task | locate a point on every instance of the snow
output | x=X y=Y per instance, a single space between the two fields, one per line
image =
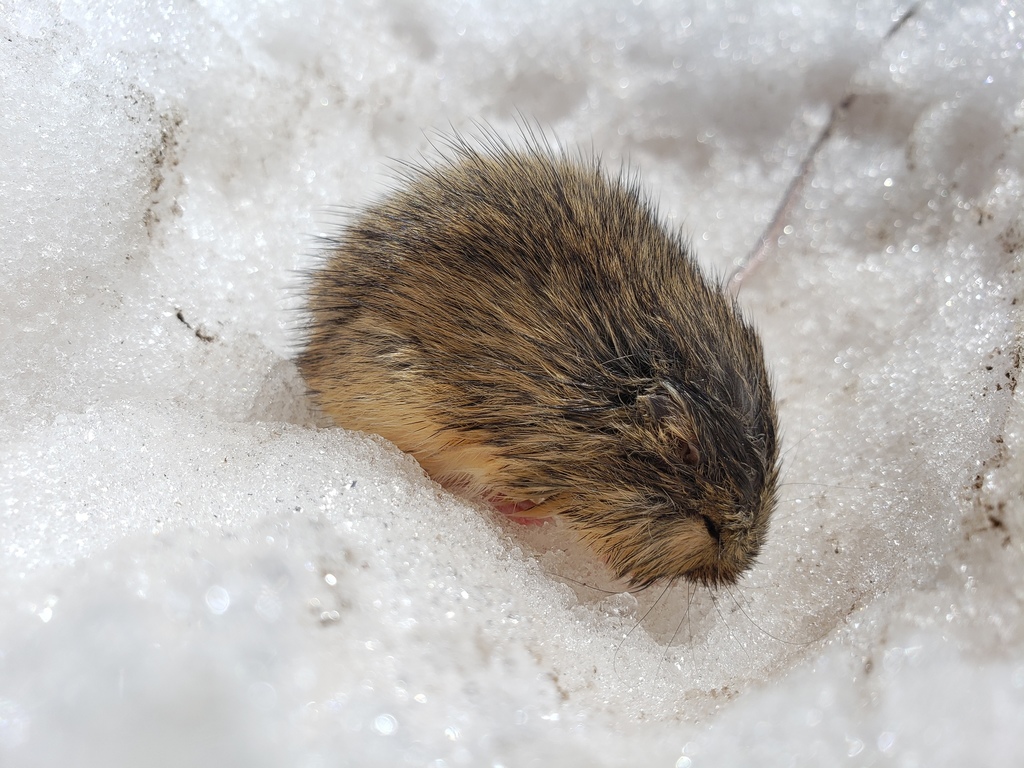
x=196 y=569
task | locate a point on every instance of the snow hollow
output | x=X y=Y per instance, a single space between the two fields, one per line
x=196 y=570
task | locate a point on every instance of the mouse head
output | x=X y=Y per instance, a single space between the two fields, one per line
x=687 y=477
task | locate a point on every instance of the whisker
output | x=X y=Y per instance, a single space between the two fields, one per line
x=721 y=615
x=798 y=643
x=577 y=582
x=636 y=624
x=672 y=639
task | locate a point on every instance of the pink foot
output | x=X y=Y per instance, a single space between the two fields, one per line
x=511 y=510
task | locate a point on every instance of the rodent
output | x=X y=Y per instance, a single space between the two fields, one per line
x=522 y=323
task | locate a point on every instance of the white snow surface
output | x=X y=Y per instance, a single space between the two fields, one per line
x=196 y=570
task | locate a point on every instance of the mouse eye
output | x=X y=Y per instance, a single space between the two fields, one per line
x=713 y=531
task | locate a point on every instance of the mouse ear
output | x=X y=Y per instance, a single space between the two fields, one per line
x=666 y=411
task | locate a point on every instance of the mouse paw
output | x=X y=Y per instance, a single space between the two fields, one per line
x=514 y=510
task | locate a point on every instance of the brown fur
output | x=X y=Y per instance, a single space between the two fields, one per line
x=526 y=328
